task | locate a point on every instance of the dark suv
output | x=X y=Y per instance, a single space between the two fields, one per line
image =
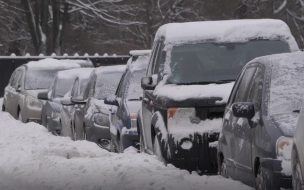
x=260 y=120
x=188 y=82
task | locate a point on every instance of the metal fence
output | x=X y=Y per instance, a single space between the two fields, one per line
x=9 y=63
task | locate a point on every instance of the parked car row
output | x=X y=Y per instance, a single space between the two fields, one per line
x=214 y=97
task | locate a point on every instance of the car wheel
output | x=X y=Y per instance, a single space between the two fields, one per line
x=157 y=149
x=297 y=179
x=223 y=170
x=260 y=181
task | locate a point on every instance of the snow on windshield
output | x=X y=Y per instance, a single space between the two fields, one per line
x=39 y=79
x=227 y=31
x=286 y=89
x=106 y=84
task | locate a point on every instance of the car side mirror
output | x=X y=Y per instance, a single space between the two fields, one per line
x=66 y=102
x=43 y=96
x=78 y=100
x=111 y=101
x=18 y=88
x=243 y=109
x=147 y=83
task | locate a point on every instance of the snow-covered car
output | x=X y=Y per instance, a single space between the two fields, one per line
x=260 y=120
x=191 y=72
x=57 y=94
x=127 y=102
x=20 y=96
x=91 y=117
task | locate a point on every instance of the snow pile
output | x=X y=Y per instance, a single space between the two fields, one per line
x=286 y=88
x=31 y=158
x=82 y=73
x=140 y=52
x=52 y=64
x=227 y=31
x=110 y=69
x=184 y=92
x=141 y=63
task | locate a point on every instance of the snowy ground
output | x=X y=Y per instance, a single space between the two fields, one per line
x=31 y=158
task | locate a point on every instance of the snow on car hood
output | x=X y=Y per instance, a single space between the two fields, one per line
x=184 y=92
x=52 y=64
x=227 y=31
x=286 y=122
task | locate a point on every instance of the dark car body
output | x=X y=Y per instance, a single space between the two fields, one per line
x=91 y=117
x=127 y=102
x=188 y=82
x=20 y=97
x=58 y=92
x=260 y=121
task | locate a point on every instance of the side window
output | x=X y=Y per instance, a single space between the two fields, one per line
x=152 y=59
x=12 y=77
x=256 y=91
x=89 y=91
x=120 y=84
x=75 y=88
x=160 y=55
x=123 y=85
x=242 y=90
x=16 y=78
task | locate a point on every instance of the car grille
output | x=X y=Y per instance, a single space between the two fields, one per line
x=210 y=112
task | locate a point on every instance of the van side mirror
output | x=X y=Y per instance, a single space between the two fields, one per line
x=111 y=101
x=243 y=109
x=43 y=96
x=147 y=83
x=78 y=100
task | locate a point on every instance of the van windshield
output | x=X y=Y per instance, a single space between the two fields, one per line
x=205 y=63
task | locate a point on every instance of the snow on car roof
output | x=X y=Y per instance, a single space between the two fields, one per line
x=140 y=52
x=82 y=73
x=227 y=31
x=286 y=88
x=110 y=69
x=52 y=64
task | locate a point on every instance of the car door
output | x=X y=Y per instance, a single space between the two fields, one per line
x=243 y=133
x=8 y=91
x=148 y=98
x=14 y=94
x=231 y=124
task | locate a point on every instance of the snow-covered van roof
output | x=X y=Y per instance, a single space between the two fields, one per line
x=286 y=88
x=81 y=73
x=110 y=69
x=226 y=31
x=140 y=52
x=48 y=64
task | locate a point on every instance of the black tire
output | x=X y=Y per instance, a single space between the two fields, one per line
x=297 y=179
x=223 y=169
x=3 y=107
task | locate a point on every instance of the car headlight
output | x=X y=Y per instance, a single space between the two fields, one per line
x=284 y=147
x=99 y=119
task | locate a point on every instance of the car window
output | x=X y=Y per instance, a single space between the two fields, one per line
x=152 y=59
x=75 y=87
x=89 y=90
x=159 y=55
x=16 y=78
x=242 y=90
x=12 y=77
x=119 y=88
x=256 y=91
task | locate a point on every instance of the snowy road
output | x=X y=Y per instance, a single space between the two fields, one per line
x=31 y=158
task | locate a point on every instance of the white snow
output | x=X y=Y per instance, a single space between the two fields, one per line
x=184 y=92
x=110 y=69
x=140 y=64
x=140 y=52
x=227 y=31
x=31 y=158
x=52 y=64
x=82 y=73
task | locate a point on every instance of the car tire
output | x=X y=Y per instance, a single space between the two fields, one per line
x=223 y=170
x=157 y=149
x=297 y=179
x=260 y=181
x=3 y=107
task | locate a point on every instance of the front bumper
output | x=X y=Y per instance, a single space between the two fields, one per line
x=197 y=155
x=273 y=169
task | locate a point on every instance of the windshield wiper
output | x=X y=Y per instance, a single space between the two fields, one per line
x=134 y=99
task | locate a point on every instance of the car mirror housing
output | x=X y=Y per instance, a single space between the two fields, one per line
x=147 y=83
x=78 y=100
x=243 y=109
x=66 y=102
x=111 y=101
x=43 y=96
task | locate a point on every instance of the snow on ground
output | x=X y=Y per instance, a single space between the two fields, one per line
x=31 y=158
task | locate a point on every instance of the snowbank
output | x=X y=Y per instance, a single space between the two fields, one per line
x=31 y=158
x=140 y=52
x=227 y=31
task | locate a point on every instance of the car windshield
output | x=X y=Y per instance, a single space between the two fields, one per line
x=83 y=85
x=106 y=84
x=39 y=79
x=63 y=86
x=217 y=63
x=134 y=90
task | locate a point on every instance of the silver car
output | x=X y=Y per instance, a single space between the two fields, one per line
x=20 y=95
